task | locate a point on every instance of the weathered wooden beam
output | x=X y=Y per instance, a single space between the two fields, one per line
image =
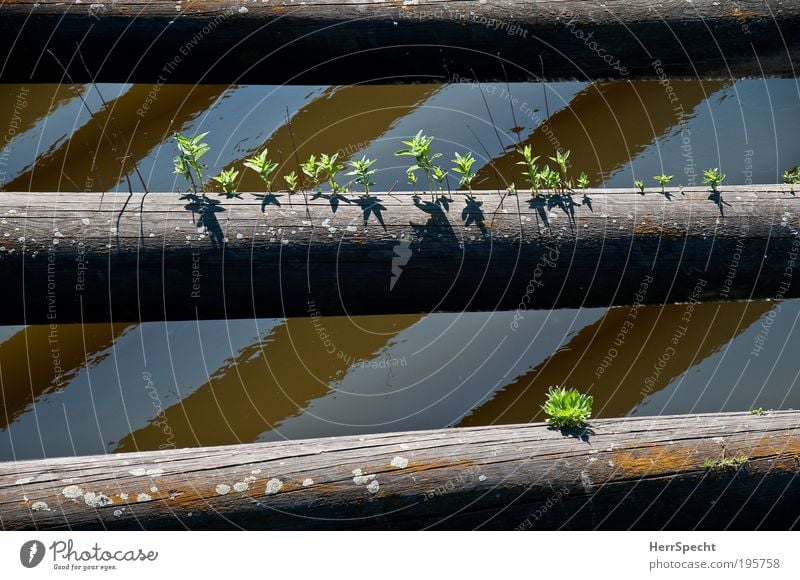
x=85 y=257
x=344 y=41
x=631 y=473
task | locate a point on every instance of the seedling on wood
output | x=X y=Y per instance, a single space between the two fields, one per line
x=567 y=408
x=362 y=171
x=263 y=166
x=639 y=185
x=420 y=149
x=583 y=181
x=563 y=167
x=713 y=177
x=463 y=166
x=190 y=150
x=440 y=177
x=227 y=180
x=531 y=172
x=330 y=166
x=759 y=411
x=311 y=168
x=549 y=178
x=792 y=177
x=663 y=180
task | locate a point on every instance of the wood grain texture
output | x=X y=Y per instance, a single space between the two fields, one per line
x=84 y=257
x=631 y=473
x=336 y=42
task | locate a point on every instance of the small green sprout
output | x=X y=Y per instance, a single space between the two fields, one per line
x=227 y=180
x=639 y=184
x=567 y=408
x=663 y=180
x=412 y=179
x=312 y=169
x=439 y=175
x=724 y=463
x=562 y=165
x=531 y=171
x=463 y=166
x=759 y=411
x=549 y=178
x=291 y=182
x=420 y=149
x=330 y=166
x=583 y=181
x=512 y=188
x=190 y=150
x=792 y=177
x=713 y=177
x=362 y=171
x=263 y=166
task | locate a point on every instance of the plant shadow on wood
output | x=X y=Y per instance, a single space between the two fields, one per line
x=472 y=214
x=371 y=205
x=583 y=432
x=268 y=199
x=333 y=199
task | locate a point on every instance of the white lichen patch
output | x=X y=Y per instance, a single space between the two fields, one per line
x=399 y=462
x=241 y=486
x=363 y=479
x=123 y=496
x=117 y=513
x=154 y=489
x=273 y=486
x=373 y=486
x=96 y=500
x=256 y=471
x=308 y=482
x=40 y=506
x=72 y=492
x=356 y=472
x=223 y=488
x=138 y=472
x=481 y=478
x=24 y=480
x=143 y=497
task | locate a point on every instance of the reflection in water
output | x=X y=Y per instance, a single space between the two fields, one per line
x=617 y=131
x=158 y=385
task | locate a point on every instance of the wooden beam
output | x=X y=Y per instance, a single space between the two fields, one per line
x=345 y=41
x=631 y=473
x=67 y=257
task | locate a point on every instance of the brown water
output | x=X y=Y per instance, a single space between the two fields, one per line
x=617 y=131
x=103 y=388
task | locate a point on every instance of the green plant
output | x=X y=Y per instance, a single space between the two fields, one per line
x=312 y=169
x=227 y=180
x=792 y=177
x=713 y=177
x=531 y=171
x=567 y=408
x=759 y=411
x=190 y=150
x=725 y=462
x=512 y=188
x=639 y=184
x=362 y=171
x=663 y=180
x=420 y=149
x=562 y=166
x=549 y=178
x=463 y=166
x=583 y=181
x=263 y=166
x=291 y=182
x=412 y=179
x=440 y=177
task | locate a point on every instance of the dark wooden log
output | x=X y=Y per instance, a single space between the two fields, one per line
x=344 y=41
x=631 y=473
x=86 y=257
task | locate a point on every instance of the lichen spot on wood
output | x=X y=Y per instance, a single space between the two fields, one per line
x=273 y=486
x=373 y=486
x=23 y=480
x=307 y=482
x=138 y=472
x=40 y=506
x=72 y=492
x=241 y=486
x=223 y=488
x=96 y=500
x=399 y=462
x=143 y=497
